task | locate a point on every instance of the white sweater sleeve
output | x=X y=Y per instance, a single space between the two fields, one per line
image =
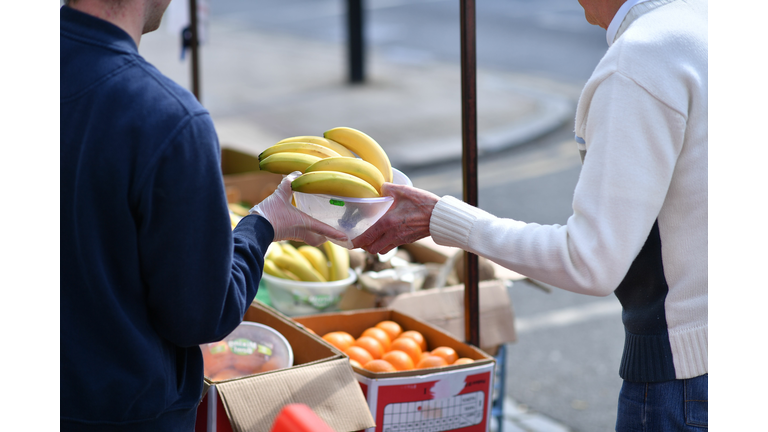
x=632 y=141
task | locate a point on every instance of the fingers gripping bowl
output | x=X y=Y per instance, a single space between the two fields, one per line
x=342 y=173
x=350 y=215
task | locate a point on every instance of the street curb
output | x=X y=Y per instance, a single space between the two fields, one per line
x=518 y=418
x=552 y=112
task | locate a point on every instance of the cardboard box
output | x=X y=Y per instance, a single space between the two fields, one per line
x=321 y=378
x=445 y=399
x=427 y=251
x=444 y=307
x=243 y=180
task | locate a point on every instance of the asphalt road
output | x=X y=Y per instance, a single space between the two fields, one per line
x=545 y=37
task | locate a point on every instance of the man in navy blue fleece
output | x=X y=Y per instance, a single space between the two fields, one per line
x=150 y=266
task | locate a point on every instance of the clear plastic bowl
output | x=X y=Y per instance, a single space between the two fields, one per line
x=250 y=349
x=353 y=216
x=295 y=298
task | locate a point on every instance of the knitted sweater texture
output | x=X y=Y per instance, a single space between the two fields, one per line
x=639 y=223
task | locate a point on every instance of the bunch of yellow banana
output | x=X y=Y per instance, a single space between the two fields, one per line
x=344 y=162
x=234 y=219
x=307 y=263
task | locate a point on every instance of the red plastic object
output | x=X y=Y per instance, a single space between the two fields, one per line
x=299 y=418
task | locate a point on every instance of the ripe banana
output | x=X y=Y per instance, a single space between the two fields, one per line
x=298 y=147
x=325 y=142
x=287 y=162
x=238 y=209
x=356 y=167
x=294 y=254
x=339 y=259
x=274 y=250
x=334 y=183
x=364 y=146
x=317 y=258
x=234 y=219
x=303 y=270
x=271 y=268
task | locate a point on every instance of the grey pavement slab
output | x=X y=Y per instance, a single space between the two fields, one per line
x=519 y=418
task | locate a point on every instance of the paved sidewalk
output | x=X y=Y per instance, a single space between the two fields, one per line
x=519 y=418
x=261 y=87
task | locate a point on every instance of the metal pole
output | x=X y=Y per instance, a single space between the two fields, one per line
x=195 y=59
x=355 y=41
x=469 y=162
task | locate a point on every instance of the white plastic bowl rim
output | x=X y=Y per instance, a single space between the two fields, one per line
x=287 y=283
x=276 y=334
x=351 y=199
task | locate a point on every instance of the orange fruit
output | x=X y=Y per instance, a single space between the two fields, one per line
x=275 y=362
x=417 y=336
x=399 y=359
x=380 y=365
x=463 y=360
x=448 y=353
x=408 y=346
x=358 y=354
x=392 y=328
x=339 y=339
x=380 y=335
x=248 y=363
x=216 y=357
x=431 y=361
x=371 y=345
x=226 y=374
x=355 y=363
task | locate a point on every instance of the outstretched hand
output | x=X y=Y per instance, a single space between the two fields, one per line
x=405 y=222
x=291 y=223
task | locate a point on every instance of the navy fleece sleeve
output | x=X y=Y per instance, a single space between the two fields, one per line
x=200 y=278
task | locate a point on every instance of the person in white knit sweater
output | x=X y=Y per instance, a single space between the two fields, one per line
x=639 y=223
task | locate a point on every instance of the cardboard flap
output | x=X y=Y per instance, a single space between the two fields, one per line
x=426 y=250
x=444 y=308
x=237 y=162
x=329 y=388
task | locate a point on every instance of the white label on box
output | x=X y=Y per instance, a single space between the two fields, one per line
x=442 y=401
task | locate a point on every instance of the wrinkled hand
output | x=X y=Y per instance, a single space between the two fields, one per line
x=291 y=223
x=405 y=222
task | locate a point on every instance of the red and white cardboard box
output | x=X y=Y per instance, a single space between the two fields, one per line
x=451 y=398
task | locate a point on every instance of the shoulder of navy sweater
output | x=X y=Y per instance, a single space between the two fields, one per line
x=112 y=57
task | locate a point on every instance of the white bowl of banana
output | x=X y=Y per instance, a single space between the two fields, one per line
x=306 y=280
x=342 y=174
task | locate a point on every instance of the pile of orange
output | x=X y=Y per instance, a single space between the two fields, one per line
x=387 y=348
x=219 y=363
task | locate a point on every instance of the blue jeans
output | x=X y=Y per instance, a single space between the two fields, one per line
x=679 y=405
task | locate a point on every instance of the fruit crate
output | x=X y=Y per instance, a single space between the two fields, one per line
x=454 y=397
